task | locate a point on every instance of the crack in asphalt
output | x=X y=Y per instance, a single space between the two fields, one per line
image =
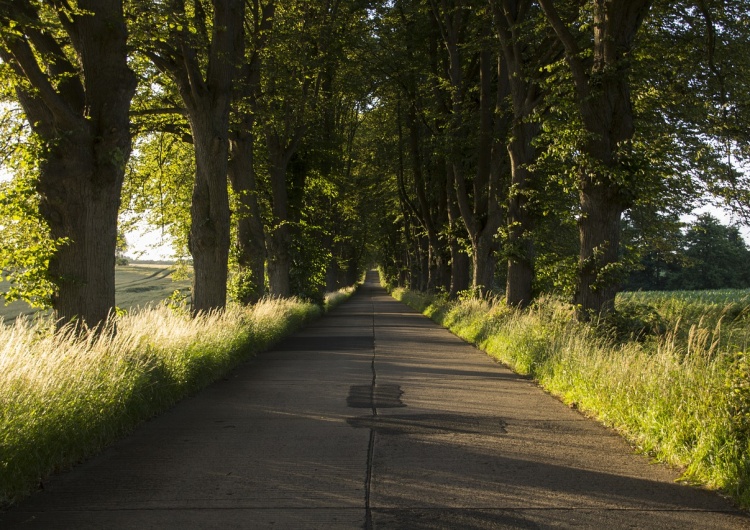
x=371 y=444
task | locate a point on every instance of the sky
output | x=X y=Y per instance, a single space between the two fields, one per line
x=148 y=243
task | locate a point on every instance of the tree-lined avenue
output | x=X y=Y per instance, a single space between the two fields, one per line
x=373 y=417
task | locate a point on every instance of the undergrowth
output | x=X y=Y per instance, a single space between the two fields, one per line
x=670 y=372
x=64 y=397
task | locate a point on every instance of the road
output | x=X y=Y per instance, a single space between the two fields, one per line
x=373 y=417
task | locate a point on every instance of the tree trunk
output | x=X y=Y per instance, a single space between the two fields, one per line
x=424 y=263
x=279 y=239
x=459 y=270
x=250 y=244
x=483 y=263
x=518 y=291
x=80 y=201
x=209 y=210
x=205 y=85
x=459 y=280
x=510 y=17
x=80 y=110
x=599 y=232
x=603 y=96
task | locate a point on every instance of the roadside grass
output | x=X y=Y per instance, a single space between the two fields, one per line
x=336 y=298
x=670 y=371
x=65 y=397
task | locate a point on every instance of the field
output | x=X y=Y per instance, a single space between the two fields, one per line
x=138 y=285
x=670 y=371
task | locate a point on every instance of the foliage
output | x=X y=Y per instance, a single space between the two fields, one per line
x=716 y=257
x=708 y=255
x=26 y=245
x=158 y=187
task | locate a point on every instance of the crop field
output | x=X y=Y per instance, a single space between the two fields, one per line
x=138 y=285
x=691 y=303
x=724 y=315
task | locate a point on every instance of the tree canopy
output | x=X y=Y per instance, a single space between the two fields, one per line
x=505 y=146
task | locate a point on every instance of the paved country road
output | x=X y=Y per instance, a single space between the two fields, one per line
x=373 y=417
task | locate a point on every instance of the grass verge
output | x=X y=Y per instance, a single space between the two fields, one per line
x=680 y=393
x=63 y=398
x=336 y=298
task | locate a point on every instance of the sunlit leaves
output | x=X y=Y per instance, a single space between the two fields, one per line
x=26 y=246
x=158 y=187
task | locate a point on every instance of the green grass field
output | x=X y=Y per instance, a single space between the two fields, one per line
x=138 y=285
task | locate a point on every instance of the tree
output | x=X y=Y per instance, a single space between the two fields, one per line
x=199 y=53
x=600 y=74
x=77 y=107
x=249 y=282
x=478 y=124
x=527 y=53
x=716 y=257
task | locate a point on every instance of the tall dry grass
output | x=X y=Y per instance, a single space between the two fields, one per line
x=673 y=379
x=63 y=397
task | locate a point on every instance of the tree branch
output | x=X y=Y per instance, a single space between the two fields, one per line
x=572 y=52
x=23 y=55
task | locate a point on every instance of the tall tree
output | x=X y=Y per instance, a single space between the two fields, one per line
x=602 y=90
x=716 y=257
x=72 y=79
x=527 y=53
x=199 y=52
x=475 y=129
x=250 y=238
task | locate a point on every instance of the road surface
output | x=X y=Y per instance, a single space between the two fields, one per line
x=373 y=417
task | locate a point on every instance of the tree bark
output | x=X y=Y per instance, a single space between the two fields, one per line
x=250 y=243
x=83 y=120
x=279 y=238
x=520 y=279
x=459 y=258
x=520 y=244
x=599 y=230
x=209 y=212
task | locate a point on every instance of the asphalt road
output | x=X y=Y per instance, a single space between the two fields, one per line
x=373 y=417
